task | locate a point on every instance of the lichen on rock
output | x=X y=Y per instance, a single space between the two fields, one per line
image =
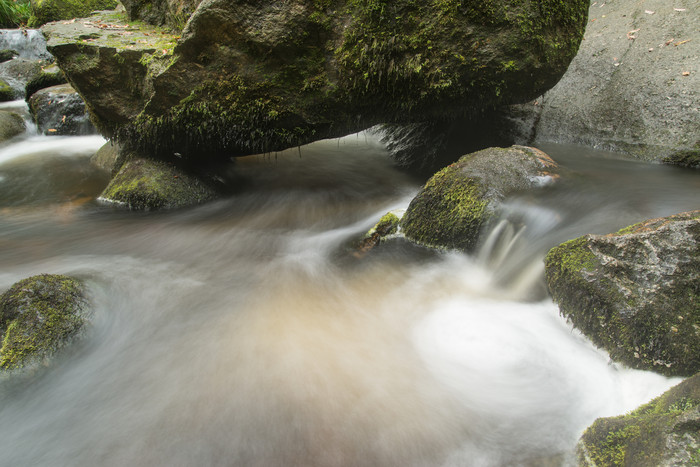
x=457 y=203
x=636 y=292
x=38 y=316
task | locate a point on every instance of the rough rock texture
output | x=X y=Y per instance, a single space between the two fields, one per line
x=44 y=11
x=59 y=110
x=634 y=86
x=50 y=75
x=172 y=13
x=247 y=77
x=146 y=184
x=11 y=125
x=38 y=316
x=662 y=433
x=457 y=202
x=635 y=293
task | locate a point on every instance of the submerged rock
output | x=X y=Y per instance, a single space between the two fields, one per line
x=11 y=125
x=635 y=293
x=147 y=184
x=254 y=77
x=387 y=225
x=44 y=11
x=59 y=110
x=664 y=432
x=457 y=202
x=38 y=316
x=633 y=87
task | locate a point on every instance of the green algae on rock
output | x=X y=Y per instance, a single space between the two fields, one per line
x=457 y=202
x=44 y=11
x=147 y=184
x=387 y=225
x=250 y=77
x=635 y=293
x=50 y=76
x=38 y=316
x=663 y=432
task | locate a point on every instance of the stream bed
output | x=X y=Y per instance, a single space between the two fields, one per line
x=244 y=331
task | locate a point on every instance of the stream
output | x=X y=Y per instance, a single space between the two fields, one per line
x=244 y=331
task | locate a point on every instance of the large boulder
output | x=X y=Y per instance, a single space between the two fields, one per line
x=634 y=86
x=59 y=110
x=44 y=11
x=664 y=432
x=146 y=184
x=635 y=293
x=11 y=125
x=38 y=316
x=249 y=77
x=457 y=203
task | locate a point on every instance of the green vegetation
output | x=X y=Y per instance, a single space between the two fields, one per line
x=6 y=92
x=14 y=13
x=44 y=11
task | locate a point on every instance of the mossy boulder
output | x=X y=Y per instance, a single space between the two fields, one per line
x=44 y=11
x=11 y=125
x=689 y=158
x=20 y=71
x=635 y=293
x=249 y=77
x=664 y=432
x=387 y=225
x=50 y=75
x=38 y=316
x=147 y=184
x=7 y=93
x=457 y=203
x=59 y=110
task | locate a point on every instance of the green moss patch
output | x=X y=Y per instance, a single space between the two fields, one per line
x=45 y=11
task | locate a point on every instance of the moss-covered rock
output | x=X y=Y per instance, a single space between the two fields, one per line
x=635 y=293
x=664 y=432
x=59 y=110
x=7 y=54
x=457 y=202
x=689 y=158
x=38 y=316
x=44 y=11
x=50 y=75
x=250 y=77
x=6 y=92
x=387 y=225
x=18 y=72
x=147 y=184
x=11 y=125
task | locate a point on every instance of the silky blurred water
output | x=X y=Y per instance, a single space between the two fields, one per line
x=244 y=332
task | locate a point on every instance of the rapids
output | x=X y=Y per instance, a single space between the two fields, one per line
x=243 y=331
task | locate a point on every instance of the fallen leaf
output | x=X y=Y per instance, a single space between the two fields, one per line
x=686 y=73
x=669 y=41
x=630 y=34
x=648 y=12
x=679 y=9
x=681 y=42
x=52 y=130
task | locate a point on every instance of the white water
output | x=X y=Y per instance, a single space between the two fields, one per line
x=243 y=332
x=28 y=43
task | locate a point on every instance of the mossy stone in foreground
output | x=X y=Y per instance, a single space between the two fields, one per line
x=44 y=11
x=635 y=293
x=38 y=316
x=6 y=92
x=457 y=202
x=11 y=125
x=664 y=432
x=147 y=184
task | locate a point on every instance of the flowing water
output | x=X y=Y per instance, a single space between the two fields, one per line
x=243 y=332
